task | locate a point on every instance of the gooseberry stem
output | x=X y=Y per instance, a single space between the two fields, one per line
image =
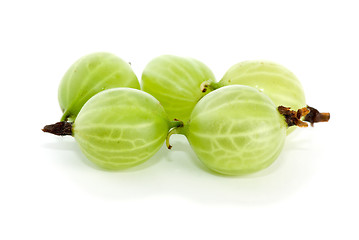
x=303 y=115
x=172 y=131
x=176 y=128
x=176 y=123
x=211 y=85
x=62 y=128
x=65 y=116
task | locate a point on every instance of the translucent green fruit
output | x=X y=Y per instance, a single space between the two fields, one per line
x=121 y=127
x=235 y=130
x=89 y=75
x=175 y=82
x=276 y=81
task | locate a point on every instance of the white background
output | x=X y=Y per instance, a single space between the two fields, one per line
x=50 y=191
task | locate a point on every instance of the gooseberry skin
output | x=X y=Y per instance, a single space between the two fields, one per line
x=175 y=81
x=273 y=79
x=89 y=75
x=236 y=130
x=120 y=128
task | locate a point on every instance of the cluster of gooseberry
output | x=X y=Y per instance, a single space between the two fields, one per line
x=235 y=126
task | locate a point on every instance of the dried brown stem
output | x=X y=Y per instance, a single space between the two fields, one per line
x=309 y=114
x=293 y=117
x=60 y=128
x=315 y=116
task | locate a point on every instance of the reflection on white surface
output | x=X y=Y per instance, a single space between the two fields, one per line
x=178 y=173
